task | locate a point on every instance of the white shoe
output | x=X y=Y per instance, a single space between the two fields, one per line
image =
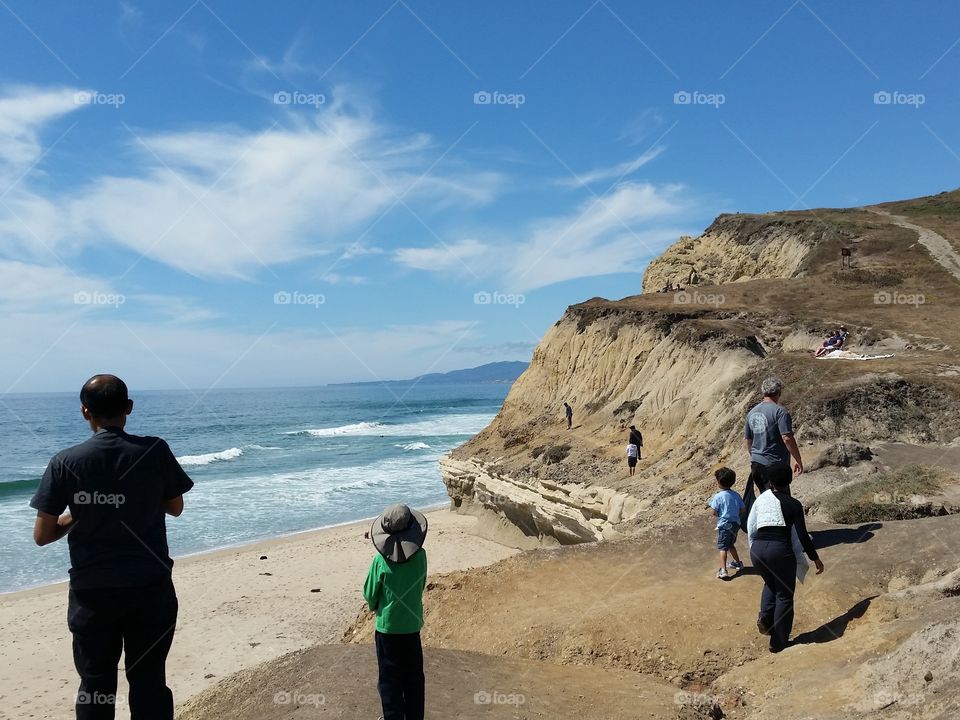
x=722 y=574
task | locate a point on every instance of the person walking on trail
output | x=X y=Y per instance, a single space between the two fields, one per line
x=636 y=439
x=728 y=509
x=116 y=489
x=394 y=590
x=778 y=539
x=632 y=453
x=768 y=437
x=568 y=411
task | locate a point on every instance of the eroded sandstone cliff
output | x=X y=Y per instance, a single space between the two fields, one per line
x=685 y=367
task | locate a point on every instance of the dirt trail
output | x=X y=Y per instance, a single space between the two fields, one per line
x=939 y=246
x=339 y=682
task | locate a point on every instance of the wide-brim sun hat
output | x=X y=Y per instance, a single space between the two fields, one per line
x=398 y=532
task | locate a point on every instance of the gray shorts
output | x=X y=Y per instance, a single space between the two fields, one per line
x=727 y=535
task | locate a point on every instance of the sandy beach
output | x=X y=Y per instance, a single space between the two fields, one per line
x=238 y=607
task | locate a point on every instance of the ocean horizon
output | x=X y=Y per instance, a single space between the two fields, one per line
x=267 y=462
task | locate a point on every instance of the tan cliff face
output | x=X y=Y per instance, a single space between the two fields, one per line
x=685 y=368
x=737 y=248
x=668 y=374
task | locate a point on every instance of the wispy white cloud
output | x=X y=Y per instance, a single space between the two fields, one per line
x=294 y=61
x=441 y=258
x=615 y=172
x=227 y=202
x=615 y=232
x=340 y=279
x=512 y=349
x=29 y=286
x=130 y=20
x=640 y=128
x=24 y=112
x=174 y=308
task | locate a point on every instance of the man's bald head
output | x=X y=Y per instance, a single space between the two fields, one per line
x=105 y=396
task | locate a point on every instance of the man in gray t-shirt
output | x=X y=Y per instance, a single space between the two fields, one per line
x=767 y=425
x=768 y=436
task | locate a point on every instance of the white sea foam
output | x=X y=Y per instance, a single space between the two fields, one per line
x=414 y=446
x=459 y=424
x=207 y=458
x=361 y=428
x=402 y=474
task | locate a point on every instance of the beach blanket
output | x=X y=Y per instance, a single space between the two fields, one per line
x=848 y=355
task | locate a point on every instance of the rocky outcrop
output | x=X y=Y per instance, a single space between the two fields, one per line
x=736 y=248
x=542 y=512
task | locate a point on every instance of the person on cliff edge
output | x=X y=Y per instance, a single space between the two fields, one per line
x=394 y=590
x=568 y=411
x=768 y=437
x=117 y=490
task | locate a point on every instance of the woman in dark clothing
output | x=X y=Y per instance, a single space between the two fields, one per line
x=777 y=533
x=636 y=439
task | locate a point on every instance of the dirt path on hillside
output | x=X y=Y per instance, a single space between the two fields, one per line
x=939 y=247
x=339 y=682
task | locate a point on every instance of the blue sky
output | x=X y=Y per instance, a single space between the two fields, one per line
x=219 y=194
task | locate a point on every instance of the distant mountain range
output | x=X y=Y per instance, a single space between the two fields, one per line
x=496 y=372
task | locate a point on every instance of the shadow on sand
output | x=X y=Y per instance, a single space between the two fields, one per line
x=834 y=629
x=747 y=570
x=844 y=536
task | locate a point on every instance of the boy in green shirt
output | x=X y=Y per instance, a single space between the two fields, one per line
x=394 y=590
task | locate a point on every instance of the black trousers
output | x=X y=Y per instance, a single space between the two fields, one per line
x=401 y=685
x=139 y=621
x=777 y=565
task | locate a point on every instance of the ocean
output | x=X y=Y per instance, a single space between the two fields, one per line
x=266 y=462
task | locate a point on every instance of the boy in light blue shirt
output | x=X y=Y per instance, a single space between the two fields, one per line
x=728 y=508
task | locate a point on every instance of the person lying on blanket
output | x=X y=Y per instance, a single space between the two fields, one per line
x=834 y=342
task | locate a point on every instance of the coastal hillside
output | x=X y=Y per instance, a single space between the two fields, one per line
x=685 y=366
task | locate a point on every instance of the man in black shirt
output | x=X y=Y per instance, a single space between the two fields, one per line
x=116 y=490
